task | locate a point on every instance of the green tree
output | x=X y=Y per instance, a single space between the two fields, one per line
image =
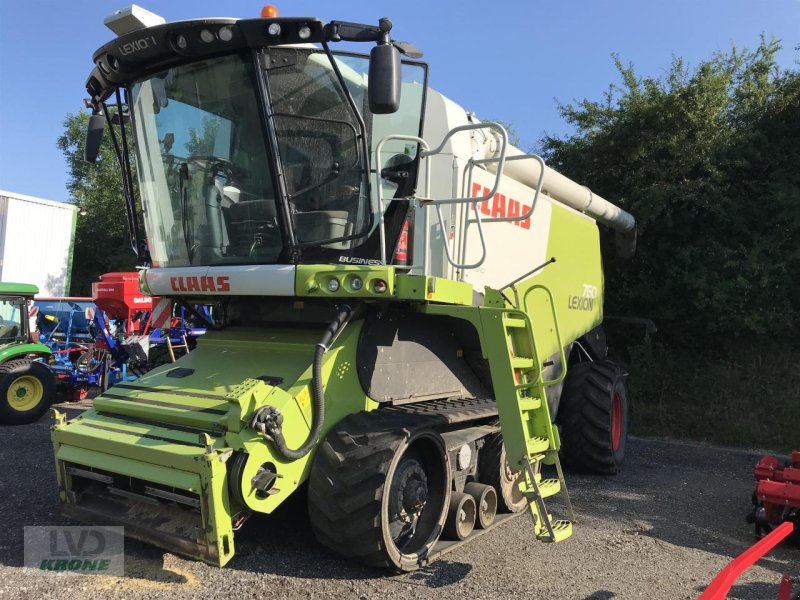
x=102 y=243
x=706 y=159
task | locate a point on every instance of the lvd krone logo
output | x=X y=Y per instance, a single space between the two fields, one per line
x=76 y=550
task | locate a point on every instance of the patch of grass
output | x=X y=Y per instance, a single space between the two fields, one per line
x=746 y=396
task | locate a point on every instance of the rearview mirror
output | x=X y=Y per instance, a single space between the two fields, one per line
x=94 y=137
x=384 y=79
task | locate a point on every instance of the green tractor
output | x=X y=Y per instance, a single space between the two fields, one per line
x=26 y=384
x=406 y=310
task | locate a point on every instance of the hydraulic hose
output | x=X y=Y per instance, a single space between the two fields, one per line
x=268 y=420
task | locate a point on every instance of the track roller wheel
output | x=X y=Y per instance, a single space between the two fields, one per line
x=593 y=415
x=486 y=502
x=379 y=490
x=461 y=516
x=493 y=470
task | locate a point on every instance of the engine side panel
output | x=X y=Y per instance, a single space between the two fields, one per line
x=404 y=356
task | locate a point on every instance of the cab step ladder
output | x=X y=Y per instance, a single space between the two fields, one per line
x=529 y=436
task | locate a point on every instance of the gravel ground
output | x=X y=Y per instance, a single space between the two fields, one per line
x=661 y=529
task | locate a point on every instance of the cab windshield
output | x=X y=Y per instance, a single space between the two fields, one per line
x=205 y=178
x=215 y=191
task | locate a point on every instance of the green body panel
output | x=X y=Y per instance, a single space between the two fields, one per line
x=575 y=281
x=184 y=480
x=312 y=281
x=434 y=289
x=154 y=429
x=19 y=350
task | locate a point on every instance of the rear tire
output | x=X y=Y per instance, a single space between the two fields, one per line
x=593 y=415
x=379 y=490
x=26 y=391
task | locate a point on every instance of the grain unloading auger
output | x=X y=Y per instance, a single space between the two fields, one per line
x=402 y=347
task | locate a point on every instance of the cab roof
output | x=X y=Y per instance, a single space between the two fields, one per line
x=18 y=289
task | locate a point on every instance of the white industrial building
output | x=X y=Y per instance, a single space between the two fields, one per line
x=36 y=242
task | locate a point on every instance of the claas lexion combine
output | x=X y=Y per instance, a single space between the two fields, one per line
x=406 y=309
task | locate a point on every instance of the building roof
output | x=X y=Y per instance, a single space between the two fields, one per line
x=26 y=198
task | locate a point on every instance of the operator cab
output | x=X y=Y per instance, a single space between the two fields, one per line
x=253 y=141
x=13 y=320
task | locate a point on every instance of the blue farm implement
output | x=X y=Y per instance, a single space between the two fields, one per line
x=100 y=341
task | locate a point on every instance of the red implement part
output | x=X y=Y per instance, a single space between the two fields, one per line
x=719 y=588
x=778 y=488
x=118 y=295
x=783 y=493
x=785 y=591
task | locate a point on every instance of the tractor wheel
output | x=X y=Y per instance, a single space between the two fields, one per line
x=379 y=490
x=26 y=391
x=493 y=470
x=593 y=415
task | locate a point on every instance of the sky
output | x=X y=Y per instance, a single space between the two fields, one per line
x=509 y=61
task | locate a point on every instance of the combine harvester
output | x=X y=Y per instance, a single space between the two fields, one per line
x=413 y=386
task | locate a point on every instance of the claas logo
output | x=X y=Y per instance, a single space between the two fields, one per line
x=200 y=284
x=500 y=206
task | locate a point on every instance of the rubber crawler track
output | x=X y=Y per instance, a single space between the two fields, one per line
x=347 y=481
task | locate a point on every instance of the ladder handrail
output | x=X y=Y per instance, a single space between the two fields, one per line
x=539 y=183
x=501 y=158
x=425 y=153
x=479 y=220
x=563 y=354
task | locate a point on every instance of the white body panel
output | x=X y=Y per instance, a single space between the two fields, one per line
x=234 y=280
x=512 y=248
x=36 y=238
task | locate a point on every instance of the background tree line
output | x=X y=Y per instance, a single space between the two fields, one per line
x=708 y=161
